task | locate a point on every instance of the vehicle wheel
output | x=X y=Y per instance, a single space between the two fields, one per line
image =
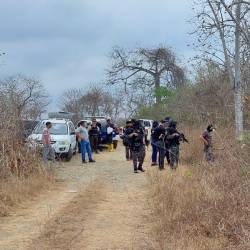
x=69 y=155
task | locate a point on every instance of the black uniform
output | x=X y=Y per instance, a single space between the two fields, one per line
x=94 y=133
x=138 y=148
x=167 y=146
x=159 y=138
x=127 y=142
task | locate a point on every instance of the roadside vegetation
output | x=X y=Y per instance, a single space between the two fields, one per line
x=22 y=174
x=202 y=206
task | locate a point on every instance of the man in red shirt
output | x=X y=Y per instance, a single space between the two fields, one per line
x=48 y=150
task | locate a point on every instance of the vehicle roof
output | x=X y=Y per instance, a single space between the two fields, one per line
x=56 y=120
x=145 y=120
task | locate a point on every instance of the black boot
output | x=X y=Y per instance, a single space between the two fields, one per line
x=141 y=169
x=135 y=169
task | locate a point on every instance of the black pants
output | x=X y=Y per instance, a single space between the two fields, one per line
x=94 y=143
x=162 y=153
x=138 y=157
x=129 y=153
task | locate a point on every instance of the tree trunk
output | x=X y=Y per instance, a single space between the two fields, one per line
x=157 y=86
x=237 y=84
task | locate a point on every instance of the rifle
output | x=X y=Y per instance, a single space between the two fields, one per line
x=183 y=138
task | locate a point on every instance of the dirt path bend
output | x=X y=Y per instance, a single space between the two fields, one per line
x=99 y=206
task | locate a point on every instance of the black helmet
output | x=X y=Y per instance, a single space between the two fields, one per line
x=155 y=124
x=137 y=124
x=168 y=119
x=210 y=128
x=173 y=124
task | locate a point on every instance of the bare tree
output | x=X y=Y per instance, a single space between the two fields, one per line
x=145 y=68
x=94 y=101
x=22 y=97
x=222 y=29
x=70 y=101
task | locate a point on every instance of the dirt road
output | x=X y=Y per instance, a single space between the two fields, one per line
x=99 y=206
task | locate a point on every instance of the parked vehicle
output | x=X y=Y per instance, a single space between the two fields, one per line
x=148 y=125
x=63 y=137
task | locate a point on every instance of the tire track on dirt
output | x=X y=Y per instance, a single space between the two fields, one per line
x=107 y=209
x=63 y=230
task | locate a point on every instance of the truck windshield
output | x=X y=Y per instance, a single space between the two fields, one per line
x=57 y=129
x=145 y=123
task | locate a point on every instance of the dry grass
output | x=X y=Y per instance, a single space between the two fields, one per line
x=22 y=173
x=14 y=190
x=201 y=206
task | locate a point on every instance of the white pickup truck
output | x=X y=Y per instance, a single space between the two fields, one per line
x=63 y=136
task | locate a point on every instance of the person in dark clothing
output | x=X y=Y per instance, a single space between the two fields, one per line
x=167 y=121
x=138 y=147
x=153 y=141
x=206 y=138
x=126 y=140
x=94 y=136
x=173 y=137
x=159 y=135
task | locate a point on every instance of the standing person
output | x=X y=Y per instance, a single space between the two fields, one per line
x=94 y=133
x=78 y=140
x=168 y=120
x=153 y=144
x=48 y=150
x=83 y=137
x=173 y=137
x=110 y=130
x=126 y=140
x=138 y=147
x=159 y=135
x=206 y=138
x=115 y=137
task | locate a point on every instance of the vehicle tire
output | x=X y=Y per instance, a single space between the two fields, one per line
x=69 y=154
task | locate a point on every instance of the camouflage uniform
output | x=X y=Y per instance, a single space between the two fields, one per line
x=174 y=152
x=138 y=149
x=174 y=147
x=208 y=149
x=138 y=157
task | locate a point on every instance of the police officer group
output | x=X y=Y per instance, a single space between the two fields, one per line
x=165 y=141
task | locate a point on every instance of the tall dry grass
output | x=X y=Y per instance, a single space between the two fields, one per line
x=201 y=206
x=22 y=173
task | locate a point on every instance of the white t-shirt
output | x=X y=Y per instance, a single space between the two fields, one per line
x=110 y=130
